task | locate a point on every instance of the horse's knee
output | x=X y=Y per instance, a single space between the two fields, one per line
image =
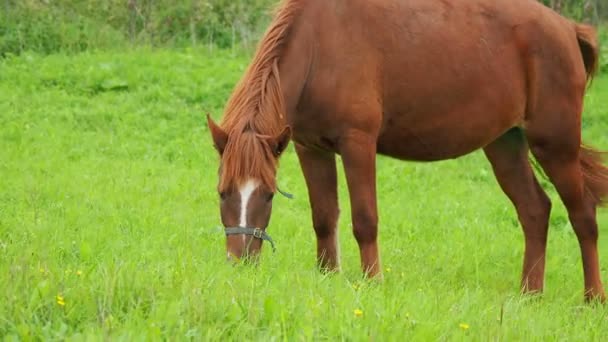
x=325 y=230
x=365 y=226
x=325 y=223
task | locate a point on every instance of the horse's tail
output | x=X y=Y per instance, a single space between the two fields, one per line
x=595 y=174
x=588 y=43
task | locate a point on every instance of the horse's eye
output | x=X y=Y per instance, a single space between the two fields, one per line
x=269 y=197
x=223 y=195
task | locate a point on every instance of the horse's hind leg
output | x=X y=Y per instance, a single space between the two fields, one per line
x=509 y=158
x=555 y=142
x=561 y=163
x=319 y=170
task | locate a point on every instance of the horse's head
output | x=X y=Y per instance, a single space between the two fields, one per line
x=247 y=183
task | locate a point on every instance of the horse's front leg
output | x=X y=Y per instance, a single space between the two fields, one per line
x=358 y=150
x=319 y=168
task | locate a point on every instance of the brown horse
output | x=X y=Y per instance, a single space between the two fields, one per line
x=416 y=80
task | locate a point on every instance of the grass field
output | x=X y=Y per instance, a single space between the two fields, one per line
x=109 y=224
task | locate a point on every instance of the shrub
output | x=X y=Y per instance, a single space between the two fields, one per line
x=48 y=26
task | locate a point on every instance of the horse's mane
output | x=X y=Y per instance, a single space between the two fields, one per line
x=256 y=107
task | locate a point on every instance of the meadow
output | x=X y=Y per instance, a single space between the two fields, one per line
x=110 y=229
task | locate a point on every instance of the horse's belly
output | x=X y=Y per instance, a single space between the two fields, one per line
x=410 y=147
x=438 y=137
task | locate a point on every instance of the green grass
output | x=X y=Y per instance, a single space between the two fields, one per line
x=107 y=199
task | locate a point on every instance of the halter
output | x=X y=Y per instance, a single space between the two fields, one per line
x=257 y=233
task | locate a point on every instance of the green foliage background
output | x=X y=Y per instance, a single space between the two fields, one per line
x=582 y=10
x=49 y=26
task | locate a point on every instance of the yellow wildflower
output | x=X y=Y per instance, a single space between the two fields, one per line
x=60 y=300
x=464 y=326
x=79 y=273
x=388 y=270
x=358 y=313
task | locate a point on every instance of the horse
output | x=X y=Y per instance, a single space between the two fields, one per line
x=416 y=80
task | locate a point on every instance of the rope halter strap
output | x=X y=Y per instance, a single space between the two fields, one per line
x=255 y=232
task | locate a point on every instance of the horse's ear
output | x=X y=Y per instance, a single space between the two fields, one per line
x=220 y=137
x=279 y=143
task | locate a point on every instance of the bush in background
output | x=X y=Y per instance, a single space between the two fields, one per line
x=48 y=26
x=581 y=10
x=604 y=49
x=36 y=26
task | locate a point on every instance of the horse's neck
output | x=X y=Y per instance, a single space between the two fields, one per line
x=294 y=69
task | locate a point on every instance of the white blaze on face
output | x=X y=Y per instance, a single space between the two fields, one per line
x=246 y=190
